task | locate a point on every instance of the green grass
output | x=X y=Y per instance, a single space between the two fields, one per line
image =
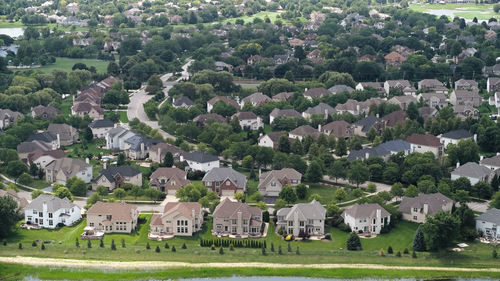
x=66 y=64
x=468 y=11
x=66 y=106
x=38 y=184
x=122 y=115
x=8 y=24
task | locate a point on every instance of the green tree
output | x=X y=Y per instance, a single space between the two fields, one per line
x=314 y=172
x=301 y=190
x=88 y=135
x=358 y=173
x=9 y=215
x=341 y=147
x=397 y=190
x=288 y=194
x=284 y=144
x=440 y=230
x=340 y=194
x=353 y=242
x=168 y=160
x=411 y=191
x=337 y=170
x=77 y=186
x=279 y=204
x=119 y=193
x=15 y=168
x=465 y=151
x=419 y=241
x=495 y=200
x=240 y=197
x=121 y=159
x=35 y=193
x=247 y=162
x=63 y=192
x=102 y=190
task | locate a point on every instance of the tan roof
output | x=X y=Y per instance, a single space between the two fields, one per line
x=365 y=211
x=69 y=166
x=229 y=209
x=175 y=177
x=185 y=208
x=118 y=211
x=56 y=154
x=280 y=175
x=396 y=117
x=338 y=128
x=225 y=99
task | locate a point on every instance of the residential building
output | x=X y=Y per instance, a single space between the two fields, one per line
x=21 y=201
x=271 y=183
x=492 y=84
x=184 y=102
x=425 y=143
x=62 y=169
x=177 y=219
x=199 y=161
x=101 y=127
x=427 y=112
x=455 y=136
x=488 y=224
x=394 y=59
x=364 y=125
x=464 y=84
x=84 y=108
x=417 y=209
x=48 y=138
x=42 y=158
x=238 y=219
x=255 y=99
x=316 y=93
x=340 y=89
x=225 y=181
x=366 y=218
x=303 y=218
x=137 y=146
x=271 y=140
x=303 y=131
x=168 y=180
x=432 y=85
x=464 y=97
x=66 y=135
x=214 y=100
x=202 y=119
x=340 y=129
x=112 y=217
x=26 y=147
x=464 y=111
x=433 y=99
x=290 y=113
x=396 y=84
x=248 y=120
x=492 y=163
x=403 y=101
x=48 y=211
x=116 y=137
x=473 y=172
x=283 y=96
x=374 y=85
x=44 y=112
x=8 y=117
x=392 y=119
x=157 y=152
x=116 y=176
x=321 y=109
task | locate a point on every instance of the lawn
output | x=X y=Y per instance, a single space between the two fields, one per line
x=66 y=106
x=8 y=24
x=467 y=11
x=66 y=64
x=121 y=113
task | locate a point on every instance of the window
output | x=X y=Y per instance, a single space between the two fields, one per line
x=51 y=222
x=290 y=230
x=233 y=229
x=301 y=223
x=108 y=217
x=233 y=221
x=310 y=221
x=245 y=229
x=228 y=183
x=40 y=214
x=415 y=209
x=50 y=215
x=415 y=218
x=91 y=224
x=290 y=223
x=245 y=221
x=34 y=212
x=273 y=183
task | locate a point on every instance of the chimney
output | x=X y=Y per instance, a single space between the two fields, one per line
x=426 y=208
x=44 y=207
x=260 y=172
x=87 y=160
x=319 y=128
x=475 y=137
x=379 y=215
x=481 y=158
x=58 y=141
x=326 y=113
x=192 y=213
x=458 y=164
x=159 y=154
x=305 y=90
x=377 y=115
x=357 y=108
x=142 y=147
x=105 y=165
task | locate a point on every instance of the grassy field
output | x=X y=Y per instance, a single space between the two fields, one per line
x=467 y=11
x=66 y=64
x=8 y=24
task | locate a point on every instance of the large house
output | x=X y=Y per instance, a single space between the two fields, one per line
x=433 y=99
x=464 y=97
x=417 y=209
x=303 y=131
x=199 y=161
x=432 y=85
x=491 y=163
x=44 y=112
x=213 y=101
x=255 y=99
x=399 y=85
x=248 y=120
x=49 y=211
x=455 y=136
x=116 y=176
x=238 y=219
x=225 y=181
x=271 y=183
x=84 y=108
x=47 y=138
x=100 y=128
x=112 y=217
x=65 y=134
x=384 y=150
x=366 y=218
x=425 y=143
x=169 y=180
x=473 y=172
x=116 y=137
x=488 y=224
x=339 y=128
x=322 y=109
x=303 y=218
x=178 y=219
x=42 y=158
x=8 y=117
x=157 y=152
x=290 y=113
x=315 y=93
x=271 y=140
x=62 y=169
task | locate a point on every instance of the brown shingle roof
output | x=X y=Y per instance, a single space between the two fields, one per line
x=427 y=140
x=185 y=208
x=119 y=211
x=229 y=209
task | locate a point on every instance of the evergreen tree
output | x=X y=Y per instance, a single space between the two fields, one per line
x=101 y=244
x=173 y=249
x=157 y=249
x=168 y=160
x=419 y=241
x=353 y=242
x=89 y=244
x=284 y=144
x=77 y=243
x=113 y=246
x=289 y=248
x=43 y=246
x=166 y=245
x=123 y=243
x=147 y=246
x=221 y=251
x=341 y=147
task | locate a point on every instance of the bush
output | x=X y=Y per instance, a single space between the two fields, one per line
x=406 y=252
x=89 y=244
x=280 y=252
x=212 y=247
x=231 y=247
x=184 y=246
x=123 y=243
x=494 y=254
x=272 y=247
x=173 y=249
x=414 y=255
x=43 y=246
x=113 y=246
x=297 y=252
x=344 y=227
x=34 y=244
x=157 y=249
x=328 y=236
x=371 y=187
x=4 y=242
x=289 y=248
x=389 y=250
x=264 y=251
x=21 y=246
x=101 y=244
x=77 y=243
x=398 y=254
x=381 y=253
x=166 y=245
x=353 y=243
x=221 y=251
x=147 y=246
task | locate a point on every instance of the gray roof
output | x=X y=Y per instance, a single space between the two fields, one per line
x=340 y=88
x=365 y=211
x=395 y=145
x=136 y=141
x=472 y=170
x=183 y=100
x=492 y=215
x=434 y=201
x=371 y=151
x=221 y=174
x=492 y=161
x=285 y=113
x=305 y=130
x=43 y=137
x=305 y=211
x=458 y=134
x=69 y=166
x=201 y=157
x=321 y=108
x=65 y=131
x=229 y=209
x=104 y=123
x=124 y=171
x=30 y=146
x=116 y=131
x=53 y=203
x=367 y=122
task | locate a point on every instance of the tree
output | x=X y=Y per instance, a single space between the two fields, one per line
x=36 y=193
x=9 y=215
x=240 y=197
x=314 y=172
x=495 y=200
x=440 y=230
x=288 y=194
x=247 y=162
x=358 y=173
x=119 y=193
x=168 y=160
x=411 y=191
x=397 y=190
x=341 y=147
x=481 y=189
x=337 y=170
x=25 y=179
x=412 y=111
x=16 y=168
x=465 y=151
x=121 y=159
x=301 y=191
x=284 y=144
x=89 y=136
x=299 y=53
x=419 y=241
x=102 y=190
x=353 y=242
x=63 y=192
x=77 y=186
x=340 y=194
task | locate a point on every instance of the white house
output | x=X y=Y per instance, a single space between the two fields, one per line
x=270 y=140
x=366 y=218
x=101 y=127
x=116 y=137
x=248 y=120
x=425 y=143
x=473 y=171
x=199 y=161
x=48 y=211
x=488 y=224
x=455 y=136
x=303 y=218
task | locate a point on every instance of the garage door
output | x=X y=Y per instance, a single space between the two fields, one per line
x=227 y=192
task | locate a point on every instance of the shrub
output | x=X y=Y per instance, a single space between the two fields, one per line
x=157 y=249
x=297 y=252
x=166 y=245
x=21 y=246
x=264 y=251
x=389 y=250
x=77 y=243
x=113 y=246
x=184 y=246
x=281 y=231
x=5 y=242
x=34 y=244
x=289 y=248
x=353 y=242
x=43 y=246
x=414 y=255
x=173 y=249
x=494 y=254
x=231 y=247
x=137 y=251
x=123 y=243
x=398 y=254
x=272 y=247
x=89 y=244
x=147 y=246
x=221 y=251
x=371 y=187
x=279 y=250
x=381 y=253
x=419 y=241
x=344 y=227
x=406 y=252
x=101 y=244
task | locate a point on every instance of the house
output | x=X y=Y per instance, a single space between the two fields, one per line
x=222 y=66
x=62 y=169
x=491 y=163
x=464 y=97
x=321 y=109
x=488 y=224
x=340 y=129
x=271 y=140
x=283 y=96
x=101 y=127
x=417 y=209
x=396 y=146
x=44 y=112
x=255 y=99
x=399 y=85
x=25 y=148
x=21 y=201
x=225 y=181
x=361 y=127
x=455 y=136
x=366 y=218
x=137 y=146
x=184 y=102
x=394 y=118
x=315 y=93
x=84 y=108
x=303 y=131
x=427 y=112
x=425 y=143
x=433 y=99
x=157 y=152
x=394 y=59
x=238 y=219
x=199 y=161
x=66 y=135
x=117 y=176
x=48 y=211
x=493 y=70
x=214 y=100
x=177 y=219
x=42 y=158
x=495 y=100
x=290 y=113
x=248 y=120
x=116 y=137
x=464 y=84
x=8 y=117
x=112 y=217
x=47 y=138
x=384 y=150
x=255 y=59
x=403 y=101
x=473 y=172
x=340 y=89
x=203 y=119
x=373 y=85
x=432 y=85
x=464 y=111
x=168 y=180
x=303 y=218
x=271 y=183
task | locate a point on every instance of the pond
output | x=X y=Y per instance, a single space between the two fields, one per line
x=13 y=32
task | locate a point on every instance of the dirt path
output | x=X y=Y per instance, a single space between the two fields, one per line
x=100 y=264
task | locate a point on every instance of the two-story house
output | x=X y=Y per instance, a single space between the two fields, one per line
x=248 y=120
x=116 y=176
x=178 y=219
x=237 y=219
x=425 y=143
x=366 y=218
x=271 y=183
x=225 y=181
x=199 y=161
x=100 y=128
x=417 y=209
x=488 y=224
x=169 y=180
x=112 y=217
x=62 y=169
x=303 y=218
x=49 y=211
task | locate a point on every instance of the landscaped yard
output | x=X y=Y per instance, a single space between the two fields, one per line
x=467 y=11
x=66 y=64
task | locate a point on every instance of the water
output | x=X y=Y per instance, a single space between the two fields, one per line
x=13 y=32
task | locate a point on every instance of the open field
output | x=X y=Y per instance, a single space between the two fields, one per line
x=66 y=64
x=467 y=11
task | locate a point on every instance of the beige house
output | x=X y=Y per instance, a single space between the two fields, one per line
x=66 y=134
x=425 y=143
x=112 y=217
x=178 y=219
x=306 y=218
x=417 y=209
x=62 y=169
x=116 y=176
x=157 y=152
x=271 y=183
x=237 y=219
x=169 y=180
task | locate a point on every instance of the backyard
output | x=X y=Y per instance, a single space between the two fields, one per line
x=467 y=11
x=66 y=64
